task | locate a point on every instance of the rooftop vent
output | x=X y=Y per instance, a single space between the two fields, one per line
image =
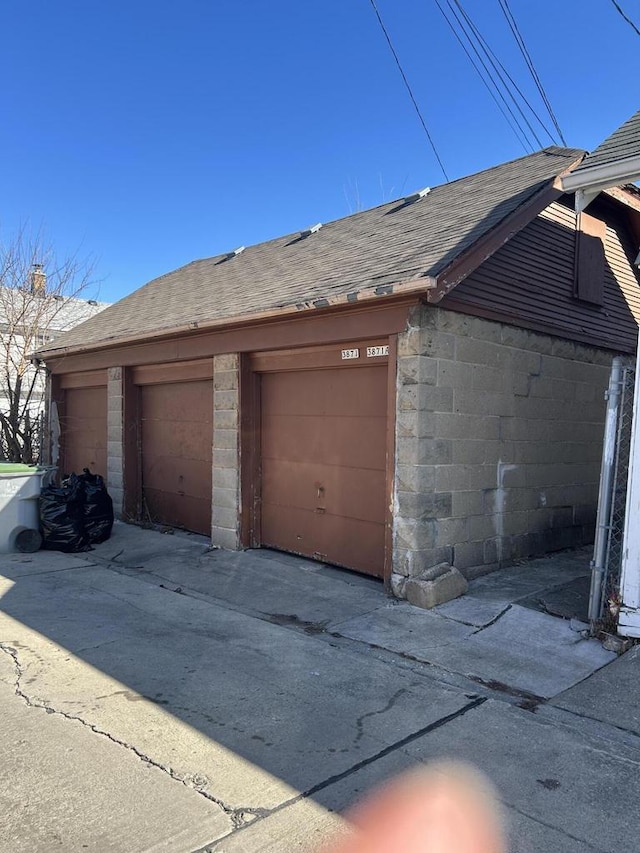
x=313 y=230
x=235 y=252
x=417 y=196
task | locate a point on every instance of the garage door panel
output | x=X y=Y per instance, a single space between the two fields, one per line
x=177 y=437
x=323 y=449
x=179 y=440
x=85 y=430
x=322 y=390
x=355 y=544
x=180 y=476
x=332 y=439
x=296 y=533
x=178 y=401
x=163 y=508
x=353 y=493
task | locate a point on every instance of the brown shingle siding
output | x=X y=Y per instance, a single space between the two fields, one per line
x=530 y=281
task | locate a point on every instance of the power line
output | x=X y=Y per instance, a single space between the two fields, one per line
x=512 y=124
x=406 y=83
x=504 y=5
x=627 y=19
x=496 y=77
x=495 y=62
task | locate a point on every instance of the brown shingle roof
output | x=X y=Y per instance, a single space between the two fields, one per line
x=387 y=245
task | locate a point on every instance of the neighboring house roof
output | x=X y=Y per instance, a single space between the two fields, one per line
x=53 y=314
x=622 y=144
x=398 y=245
x=615 y=161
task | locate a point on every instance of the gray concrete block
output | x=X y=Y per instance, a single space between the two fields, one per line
x=227 y=400
x=227 y=361
x=437 y=344
x=225 y=439
x=452 y=478
x=423 y=451
x=398 y=584
x=415 y=478
x=421 y=506
x=225 y=497
x=225 y=380
x=225 y=419
x=414 y=535
x=226 y=478
x=226 y=517
x=225 y=458
x=450 y=531
x=467 y=555
x=468 y=451
x=223 y=537
x=426 y=594
x=413 y=563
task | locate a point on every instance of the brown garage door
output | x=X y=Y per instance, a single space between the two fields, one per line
x=176 y=432
x=84 y=430
x=323 y=464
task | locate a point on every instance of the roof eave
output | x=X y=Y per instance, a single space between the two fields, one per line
x=468 y=261
x=604 y=176
x=419 y=285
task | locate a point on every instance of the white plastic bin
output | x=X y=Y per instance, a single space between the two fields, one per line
x=19 y=514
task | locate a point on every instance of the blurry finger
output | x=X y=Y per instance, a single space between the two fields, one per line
x=448 y=808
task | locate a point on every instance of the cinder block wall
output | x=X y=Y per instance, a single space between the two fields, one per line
x=498 y=443
x=225 y=499
x=115 y=438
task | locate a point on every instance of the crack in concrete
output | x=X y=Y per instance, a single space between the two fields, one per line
x=360 y=721
x=492 y=621
x=240 y=816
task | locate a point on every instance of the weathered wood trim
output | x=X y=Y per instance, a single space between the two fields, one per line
x=469 y=260
x=180 y=371
x=250 y=468
x=315 y=358
x=83 y=379
x=132 y=450
x=380 y=319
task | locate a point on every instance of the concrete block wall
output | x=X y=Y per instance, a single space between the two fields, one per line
x=225 y=504
x=115 y=438
x=498 y=442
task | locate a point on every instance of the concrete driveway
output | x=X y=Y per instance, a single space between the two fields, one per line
x=160 y=696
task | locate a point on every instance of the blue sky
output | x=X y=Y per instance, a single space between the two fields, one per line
x=150 y=134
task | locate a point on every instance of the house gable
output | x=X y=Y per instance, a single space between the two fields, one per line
x=532 y=280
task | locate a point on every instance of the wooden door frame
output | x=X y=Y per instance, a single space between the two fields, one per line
x=252 y=365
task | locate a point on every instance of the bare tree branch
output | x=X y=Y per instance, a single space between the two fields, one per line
x=40 y=295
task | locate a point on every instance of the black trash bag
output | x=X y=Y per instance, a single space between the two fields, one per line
x=62 y=517
x=98 y=507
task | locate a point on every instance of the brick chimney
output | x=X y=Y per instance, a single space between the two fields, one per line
x=38 y=280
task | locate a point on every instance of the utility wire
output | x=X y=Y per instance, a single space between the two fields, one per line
x=406 y=83
x=627 y=19
x=495 y=92
x=495 y=62
x=504 y=5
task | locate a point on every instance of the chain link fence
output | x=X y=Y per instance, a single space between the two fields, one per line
x=607 y=555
